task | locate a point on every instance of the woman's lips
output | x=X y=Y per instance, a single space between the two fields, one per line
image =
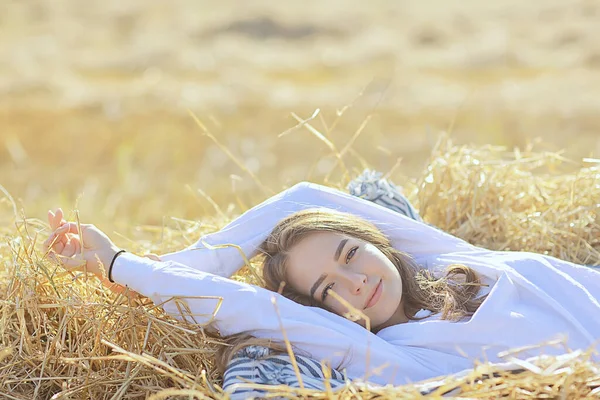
x=375 y=296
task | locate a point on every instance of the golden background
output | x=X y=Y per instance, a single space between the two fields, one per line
x=95 y=96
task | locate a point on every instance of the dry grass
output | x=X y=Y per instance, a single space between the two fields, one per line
x=514 y=200
x=64 y=336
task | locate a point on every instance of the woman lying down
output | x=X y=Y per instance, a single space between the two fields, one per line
x=428 y=304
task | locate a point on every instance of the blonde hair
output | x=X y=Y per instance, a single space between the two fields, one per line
x=453 y=295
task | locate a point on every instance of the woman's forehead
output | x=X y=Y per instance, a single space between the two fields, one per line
x=318 y=247
x=319 y=239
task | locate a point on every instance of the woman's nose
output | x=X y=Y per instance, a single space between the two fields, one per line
x=357 y=283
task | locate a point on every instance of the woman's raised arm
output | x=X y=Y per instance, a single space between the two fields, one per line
x=250 y=229
x=233 y=307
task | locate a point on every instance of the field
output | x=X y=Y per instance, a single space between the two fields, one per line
x=98 y=102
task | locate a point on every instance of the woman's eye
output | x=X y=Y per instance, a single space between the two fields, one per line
x=325 y=291
x=351 y=254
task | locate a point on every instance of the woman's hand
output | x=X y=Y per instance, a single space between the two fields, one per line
x=89 y=249
x=68 y=244
x=64 y=247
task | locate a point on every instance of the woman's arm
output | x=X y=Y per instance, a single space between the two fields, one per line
x=250 y=229
x=233 y=307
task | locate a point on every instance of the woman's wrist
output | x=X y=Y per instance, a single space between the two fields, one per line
x=115 y=254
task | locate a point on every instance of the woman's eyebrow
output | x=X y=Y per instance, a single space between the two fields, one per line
x=317 y=284
x=336 y=256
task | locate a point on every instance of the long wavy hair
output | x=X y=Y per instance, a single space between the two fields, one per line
x=453 y=295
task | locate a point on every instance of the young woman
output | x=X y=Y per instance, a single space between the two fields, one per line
x=336 y=252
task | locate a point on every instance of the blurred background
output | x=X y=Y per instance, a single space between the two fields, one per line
x=95 y=96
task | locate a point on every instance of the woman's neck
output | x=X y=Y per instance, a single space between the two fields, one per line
x=399 y=317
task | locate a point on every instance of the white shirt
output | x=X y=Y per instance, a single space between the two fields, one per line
x=532 y=298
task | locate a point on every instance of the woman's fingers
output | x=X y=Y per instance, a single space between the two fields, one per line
x=51 y=220
x=54 y=243
x=58 y=217
x=46 y=245
x=70 y=249
x=59 y=248
x=62 y=240
x=55 y=219
x=67 y=227
x=56 y=238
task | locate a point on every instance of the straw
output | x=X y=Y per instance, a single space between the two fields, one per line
x=513 y=200
x=65 y=336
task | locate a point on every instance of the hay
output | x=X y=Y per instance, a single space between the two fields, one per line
x=517 y=200
x=64 y=336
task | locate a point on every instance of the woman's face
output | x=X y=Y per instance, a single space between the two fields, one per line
x=355 y=270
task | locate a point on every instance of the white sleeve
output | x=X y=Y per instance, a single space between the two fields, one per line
x=193 y=295
x=250 y=229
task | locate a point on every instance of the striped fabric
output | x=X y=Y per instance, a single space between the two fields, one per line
x=258 y=365
x=371 y=186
